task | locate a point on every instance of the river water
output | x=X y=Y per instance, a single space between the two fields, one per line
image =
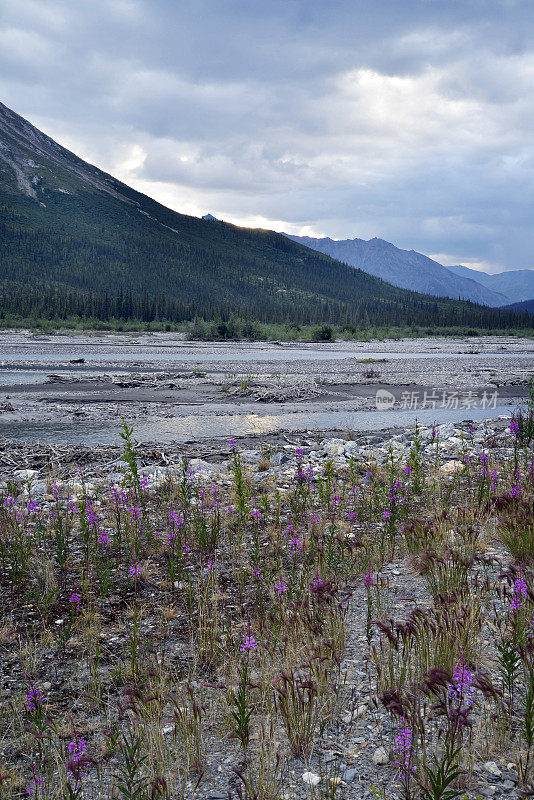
x=201 y=425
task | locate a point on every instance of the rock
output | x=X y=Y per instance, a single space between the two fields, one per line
x=351 y=448
x=489 y=791
x=251 y=456
x=333 y=447
x=508 y=785
x=38 y=489
x=450 y=467
x=47 y=686
x=311 y=779
x=25 y=474
x=167 y=729
x=380 y=756
x=493 y=768
x=349 y=775
x=278 y=459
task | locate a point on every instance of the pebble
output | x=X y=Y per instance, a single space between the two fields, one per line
x=310 y=778
x=493 y=768
x=380 y=756
x=349 y=775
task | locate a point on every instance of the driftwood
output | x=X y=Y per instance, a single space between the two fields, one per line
x=96 y=461
x=277 y=394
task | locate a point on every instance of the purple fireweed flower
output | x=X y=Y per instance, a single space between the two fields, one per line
x=281 y=587
x=229 y=509
x=295 y=545
x=462 y=688
x=169 y=537
x=258 y=516
x=519 y=594
x=336 y=500
x=39 y=785
x=135 y=571
x=231 y=442
x=77 y=749
x=34 y=699
x=78 y=746
x=514 y=426
x=9 y=502
x=516 y=492
x=257 y=573
x=402 y=749
x=290 y=529
x=368 y=580
x=75 y=598
x=299 y=452
x=386 y=514
x=103 y=538
x=318 y=582
x=352 y=516
x=250 y=643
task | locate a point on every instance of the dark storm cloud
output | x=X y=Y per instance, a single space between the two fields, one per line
x=410 y=120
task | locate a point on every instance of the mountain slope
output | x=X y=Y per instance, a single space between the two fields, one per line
x=525 y=305
x=404 y=268
x=516 y=284
x=77 y=241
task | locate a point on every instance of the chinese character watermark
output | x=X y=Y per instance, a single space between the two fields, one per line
x=433 y=399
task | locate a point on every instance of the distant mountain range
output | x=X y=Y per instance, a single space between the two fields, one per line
x=412 y=270
x=77 y=242
x=516 y=284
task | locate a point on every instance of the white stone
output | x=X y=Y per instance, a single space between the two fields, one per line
x=25 y=474
x=493 y=768
x=311 y=779
x=334 y=447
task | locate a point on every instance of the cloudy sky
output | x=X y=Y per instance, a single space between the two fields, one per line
x=410 y=120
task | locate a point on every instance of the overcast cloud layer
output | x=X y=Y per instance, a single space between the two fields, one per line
x=410 y=120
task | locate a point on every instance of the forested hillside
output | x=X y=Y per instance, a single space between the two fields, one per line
x=76 y=241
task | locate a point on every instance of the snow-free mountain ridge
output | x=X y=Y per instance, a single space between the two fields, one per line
x=405 y=268
x=516 y=284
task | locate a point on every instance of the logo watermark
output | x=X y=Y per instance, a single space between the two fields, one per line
x=435 y=398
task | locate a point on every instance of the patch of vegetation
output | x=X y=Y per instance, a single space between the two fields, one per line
x=145 y=621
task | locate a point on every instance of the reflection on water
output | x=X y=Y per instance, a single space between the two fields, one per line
x=195 y=427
